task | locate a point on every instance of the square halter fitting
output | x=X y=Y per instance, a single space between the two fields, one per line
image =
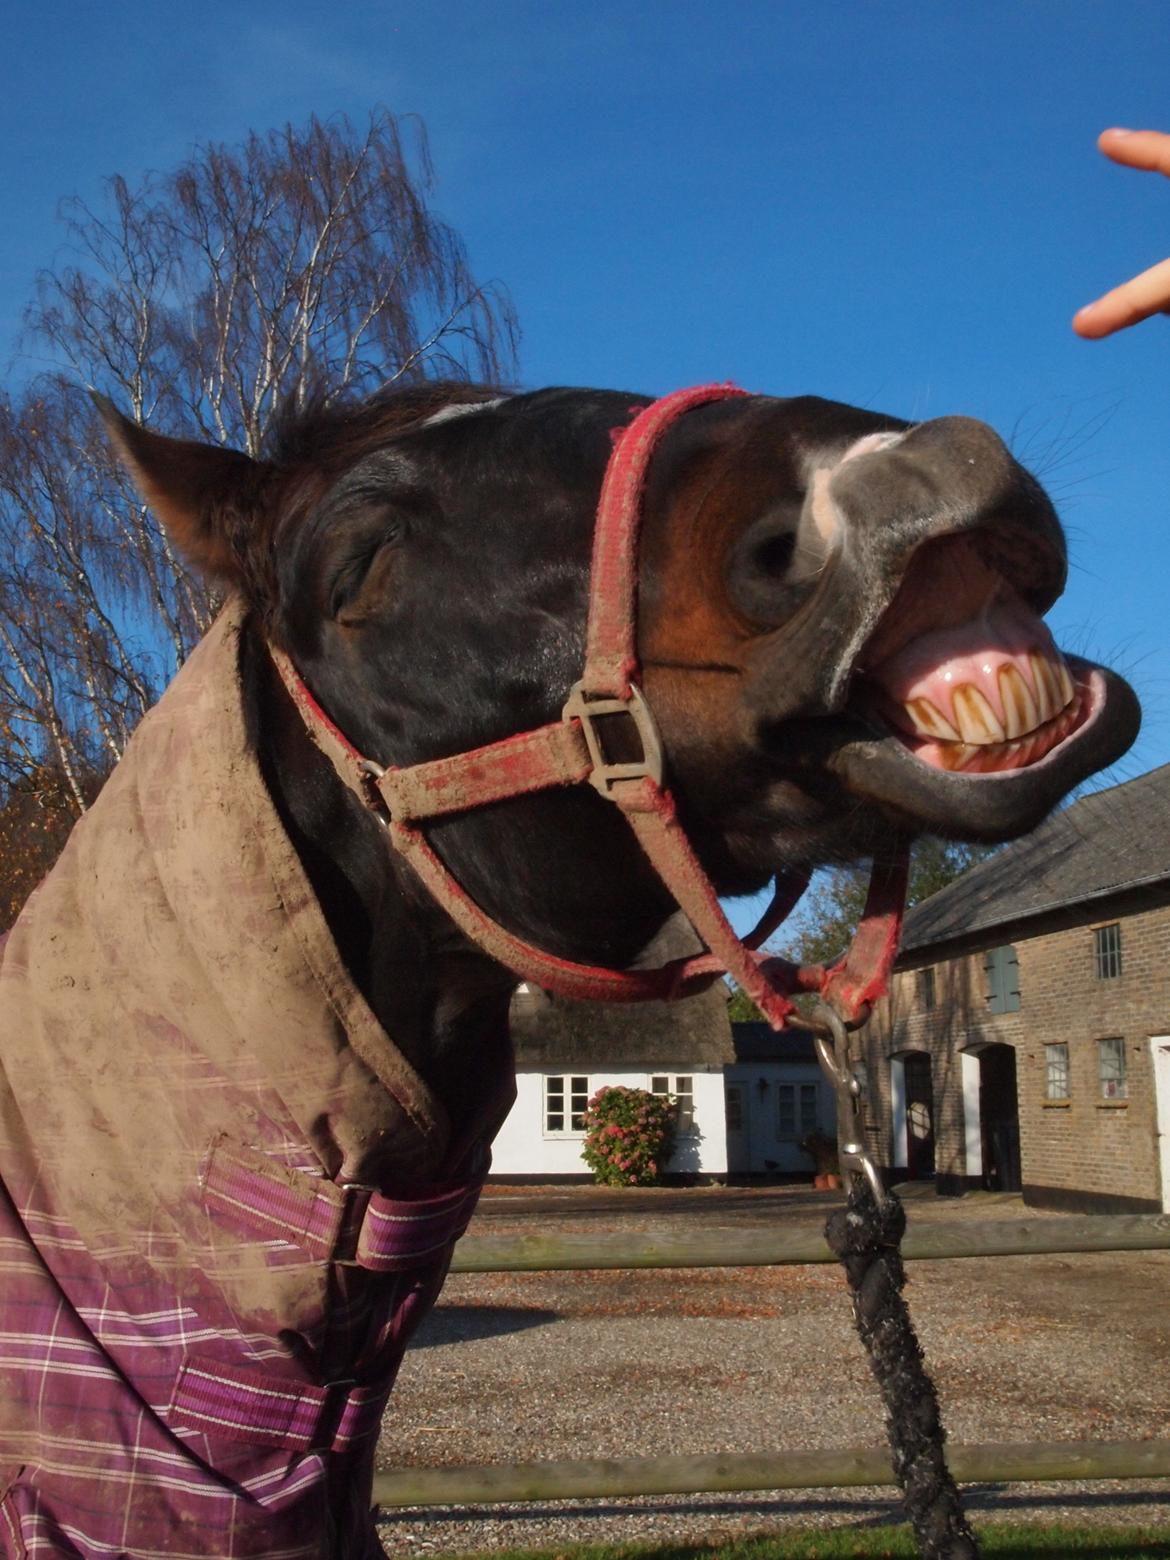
x=592 y=711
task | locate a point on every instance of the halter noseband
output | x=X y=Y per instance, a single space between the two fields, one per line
x=571 y=752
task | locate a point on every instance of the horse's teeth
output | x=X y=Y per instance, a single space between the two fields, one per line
x=955 y=755
x=974 y=716
x=1067 y=686
x=929 y=721
x=1019 y=707
x=1044 y=676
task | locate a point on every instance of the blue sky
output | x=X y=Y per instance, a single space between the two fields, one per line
x=894 y=204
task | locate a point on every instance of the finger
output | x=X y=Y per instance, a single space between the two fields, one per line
x=1134 y=300
x=1148 y=149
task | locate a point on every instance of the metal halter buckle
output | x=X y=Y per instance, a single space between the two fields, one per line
x=607 y=773
x=371 y=773
x=833 y=1055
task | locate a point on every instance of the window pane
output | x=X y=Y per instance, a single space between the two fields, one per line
x=786 y=1110
x=684 y=1090
x=1111 y=1069
x=578 y=1100
x=734 y=1102
x=808 y=1108
x=1056 y=1067
x=660 y=1084
x=1107 y=951
x=554 y=1104
x=926 y=989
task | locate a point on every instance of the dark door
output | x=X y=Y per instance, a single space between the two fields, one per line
x=999 y=1113
x=919 y=1116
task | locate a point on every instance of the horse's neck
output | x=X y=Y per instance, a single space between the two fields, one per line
x=443 y=1004
x=592 y=898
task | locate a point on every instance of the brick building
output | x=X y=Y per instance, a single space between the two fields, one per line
x=1025 y=1043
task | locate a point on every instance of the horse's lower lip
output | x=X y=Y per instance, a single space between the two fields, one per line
x=998 y=805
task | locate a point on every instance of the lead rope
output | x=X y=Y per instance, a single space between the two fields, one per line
x=866 y=1237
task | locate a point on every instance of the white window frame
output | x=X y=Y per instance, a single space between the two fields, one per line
x=564 y=1086
x=1057 y=1081
x=681 y=1088
x=801 y=1094
x=1112 y=1077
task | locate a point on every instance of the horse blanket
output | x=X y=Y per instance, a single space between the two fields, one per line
x=226 y=1199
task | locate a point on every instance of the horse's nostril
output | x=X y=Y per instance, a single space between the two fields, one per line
x=773 y=556
x=774 y=565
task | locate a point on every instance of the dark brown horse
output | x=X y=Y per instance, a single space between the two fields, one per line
x=839 y=635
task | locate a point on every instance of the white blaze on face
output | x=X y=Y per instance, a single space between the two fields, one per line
x=462 y=409
x=825 y=514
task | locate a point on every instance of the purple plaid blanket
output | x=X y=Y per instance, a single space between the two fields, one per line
x=226 y=1200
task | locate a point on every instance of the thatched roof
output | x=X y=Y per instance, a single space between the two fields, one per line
x=551 y=1033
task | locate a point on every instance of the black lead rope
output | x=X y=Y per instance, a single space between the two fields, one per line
x=866 y=1237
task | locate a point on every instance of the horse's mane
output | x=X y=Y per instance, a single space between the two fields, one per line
x=330 y=432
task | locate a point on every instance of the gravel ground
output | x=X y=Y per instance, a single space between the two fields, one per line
x=525 y=1367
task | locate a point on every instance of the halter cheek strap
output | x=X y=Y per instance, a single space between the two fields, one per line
x=571 y=751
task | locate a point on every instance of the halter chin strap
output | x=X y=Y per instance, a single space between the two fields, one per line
x=571 y=751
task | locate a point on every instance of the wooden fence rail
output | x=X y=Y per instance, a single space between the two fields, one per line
x=779 y=1247
x=601 y=1478
x=608 y=1477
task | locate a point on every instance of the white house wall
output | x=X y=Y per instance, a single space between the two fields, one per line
x=523 y=1147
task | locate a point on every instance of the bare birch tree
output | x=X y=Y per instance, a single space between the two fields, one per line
x=201 y=301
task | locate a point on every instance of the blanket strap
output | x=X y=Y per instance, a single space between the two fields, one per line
x=241 y=1403
x=410 y=1238
x=348 y=1224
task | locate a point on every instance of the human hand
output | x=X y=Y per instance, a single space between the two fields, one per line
x=1148 y=293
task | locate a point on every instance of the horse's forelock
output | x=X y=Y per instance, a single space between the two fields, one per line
x=333 y=433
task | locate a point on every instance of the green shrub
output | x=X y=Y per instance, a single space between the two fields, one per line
x=629 y=1136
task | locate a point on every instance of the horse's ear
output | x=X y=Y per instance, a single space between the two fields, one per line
x=207 y=497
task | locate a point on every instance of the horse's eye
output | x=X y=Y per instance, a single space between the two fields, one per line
x=354 y=568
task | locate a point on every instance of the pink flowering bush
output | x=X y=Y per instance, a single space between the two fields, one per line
x=629 y=1136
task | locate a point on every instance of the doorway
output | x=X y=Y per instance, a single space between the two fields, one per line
x=919 y=1094
x=999 y=1115
x=735 y=1106
x=1160 y=1048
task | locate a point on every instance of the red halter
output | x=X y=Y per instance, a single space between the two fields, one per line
x=570 y=752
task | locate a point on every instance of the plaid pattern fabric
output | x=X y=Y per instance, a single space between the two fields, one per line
x=225 y=1200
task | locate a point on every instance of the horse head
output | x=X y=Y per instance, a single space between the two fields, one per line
x=839 y=631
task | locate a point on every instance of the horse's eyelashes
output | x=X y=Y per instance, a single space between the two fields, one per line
x=354 y=570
